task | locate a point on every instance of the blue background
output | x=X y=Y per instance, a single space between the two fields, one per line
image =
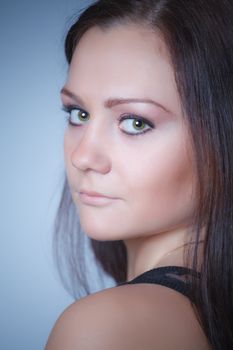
x=32 y=72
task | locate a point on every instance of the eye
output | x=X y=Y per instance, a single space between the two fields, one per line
x=76 y=116
x=135 y=125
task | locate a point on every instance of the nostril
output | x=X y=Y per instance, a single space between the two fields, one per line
x=95 y=160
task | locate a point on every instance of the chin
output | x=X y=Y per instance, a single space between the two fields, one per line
x=99 y=232
x=101 y=236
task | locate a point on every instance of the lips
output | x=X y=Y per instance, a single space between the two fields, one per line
x=96 y=199
x=95 y=194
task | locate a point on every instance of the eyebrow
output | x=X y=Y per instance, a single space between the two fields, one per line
x=112 y=102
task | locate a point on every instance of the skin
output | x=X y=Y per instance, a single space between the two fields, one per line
x=151 y=174
x=152 y=177
x=130 y=317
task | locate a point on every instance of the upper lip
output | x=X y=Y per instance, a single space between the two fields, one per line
x=95 y=194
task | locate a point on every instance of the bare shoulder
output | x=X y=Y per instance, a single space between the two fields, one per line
x=141 y=316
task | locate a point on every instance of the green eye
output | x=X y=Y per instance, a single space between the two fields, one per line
x=134 y=125
x=139 y=124
x=77 y=116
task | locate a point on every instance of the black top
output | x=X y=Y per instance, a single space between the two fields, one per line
x=169 y=276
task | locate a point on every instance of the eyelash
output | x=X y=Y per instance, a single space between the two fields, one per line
x=68 y=109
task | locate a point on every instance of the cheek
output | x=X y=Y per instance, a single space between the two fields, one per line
x=71 y=141
x=161 y=191
x=68 y=149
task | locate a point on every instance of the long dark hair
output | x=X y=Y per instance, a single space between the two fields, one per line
x=199 y=36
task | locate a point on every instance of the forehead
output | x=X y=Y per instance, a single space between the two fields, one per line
x=131 y=58
x=119 y=46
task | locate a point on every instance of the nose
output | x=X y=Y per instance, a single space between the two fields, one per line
x=92 y=151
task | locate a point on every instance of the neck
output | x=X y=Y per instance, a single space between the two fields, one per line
x=163 y=249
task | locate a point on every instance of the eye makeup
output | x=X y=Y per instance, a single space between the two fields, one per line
x=139 y=124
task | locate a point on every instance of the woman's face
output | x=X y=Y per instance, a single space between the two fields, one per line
x=127 y=139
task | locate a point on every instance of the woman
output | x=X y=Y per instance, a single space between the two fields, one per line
x=148 y=160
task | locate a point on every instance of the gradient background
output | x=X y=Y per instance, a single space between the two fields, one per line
x=32 y=72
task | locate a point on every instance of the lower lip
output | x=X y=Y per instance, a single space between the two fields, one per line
x=95 y=200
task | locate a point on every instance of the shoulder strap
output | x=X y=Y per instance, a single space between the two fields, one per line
x=169 y=276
